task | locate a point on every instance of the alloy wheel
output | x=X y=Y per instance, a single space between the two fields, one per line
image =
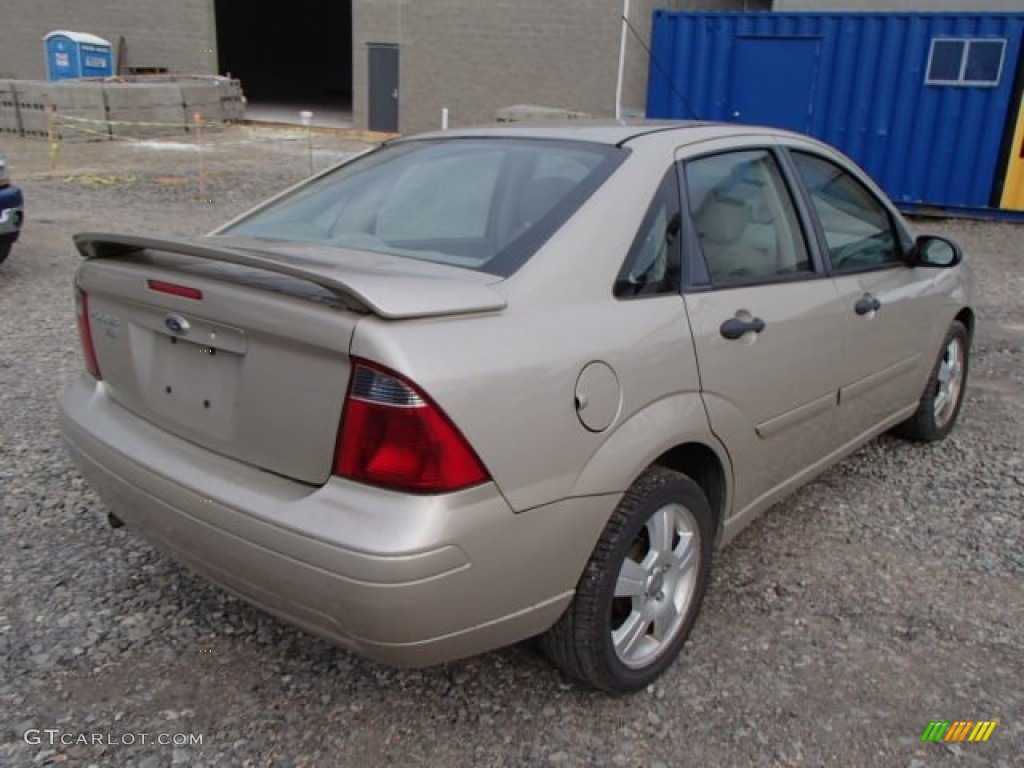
x=949 y=382
x=655 y=586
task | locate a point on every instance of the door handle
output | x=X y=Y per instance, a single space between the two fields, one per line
x=735 y=328
x=867 y=304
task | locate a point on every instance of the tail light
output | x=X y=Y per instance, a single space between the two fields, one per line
x=85 y=334
x=394 y=436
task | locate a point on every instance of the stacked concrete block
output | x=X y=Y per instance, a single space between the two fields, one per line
x=202 y=97
x=33 y=98
x=139 y=110
x=232 y=100
x=73 y=111
x=80 y=111
x=530 y=113
x=92 y=110
x=10 y=115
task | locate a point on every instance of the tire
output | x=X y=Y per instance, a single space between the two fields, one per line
x=5 y=249
x=592 y=641
x=940 y=404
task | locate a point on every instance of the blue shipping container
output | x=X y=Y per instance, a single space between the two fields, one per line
x=925 y=102
x=77 y=54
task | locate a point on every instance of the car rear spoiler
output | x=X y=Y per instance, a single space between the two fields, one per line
x=391 y=296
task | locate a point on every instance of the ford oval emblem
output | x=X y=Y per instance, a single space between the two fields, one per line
x=176 y=324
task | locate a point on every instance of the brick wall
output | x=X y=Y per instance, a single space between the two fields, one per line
x=474 y=57
x=176 y=34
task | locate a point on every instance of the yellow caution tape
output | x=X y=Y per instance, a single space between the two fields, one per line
x=99 y=180
x=60 y=118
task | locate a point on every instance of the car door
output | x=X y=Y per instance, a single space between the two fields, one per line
x=886 y=308
x=764 y=318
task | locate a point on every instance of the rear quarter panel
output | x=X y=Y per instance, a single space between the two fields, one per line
x=508 y=381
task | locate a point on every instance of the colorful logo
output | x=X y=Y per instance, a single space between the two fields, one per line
x=958 y=730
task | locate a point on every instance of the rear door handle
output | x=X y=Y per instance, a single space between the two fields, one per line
x=867 y=304
x=734 y=328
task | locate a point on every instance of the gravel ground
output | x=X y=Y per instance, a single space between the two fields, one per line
x=884 y=595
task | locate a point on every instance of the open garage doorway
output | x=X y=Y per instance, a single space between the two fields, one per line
x=291 y=57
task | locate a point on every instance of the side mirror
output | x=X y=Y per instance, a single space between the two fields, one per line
x=939 y=252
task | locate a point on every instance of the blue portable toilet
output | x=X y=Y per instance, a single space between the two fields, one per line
x=77 y=54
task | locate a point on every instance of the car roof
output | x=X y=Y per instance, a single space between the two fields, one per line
x=612 y=132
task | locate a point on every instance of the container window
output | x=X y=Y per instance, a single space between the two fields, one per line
x=965 y=62
x=984 y=60
x=947 y=57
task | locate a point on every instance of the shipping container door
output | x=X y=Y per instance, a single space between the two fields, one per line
x=774 y=80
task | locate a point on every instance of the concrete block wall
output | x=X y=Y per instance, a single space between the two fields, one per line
x=473 y=56
x=476 y=57
x=177 y=34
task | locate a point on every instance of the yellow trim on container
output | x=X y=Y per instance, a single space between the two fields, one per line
x=1013 y=187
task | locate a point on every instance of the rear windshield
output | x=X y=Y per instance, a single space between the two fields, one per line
x=483 y=204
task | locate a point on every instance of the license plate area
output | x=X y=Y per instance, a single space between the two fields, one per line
x=195 y=384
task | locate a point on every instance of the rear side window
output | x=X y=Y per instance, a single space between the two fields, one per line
x=653 y=265
x=745 y=220
x=483 y=204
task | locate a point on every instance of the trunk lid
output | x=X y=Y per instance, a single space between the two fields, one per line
x=258 y=367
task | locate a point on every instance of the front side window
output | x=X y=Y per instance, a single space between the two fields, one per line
x=857 y=227
x=965 y=62
x=745 y=220
x=483 y=204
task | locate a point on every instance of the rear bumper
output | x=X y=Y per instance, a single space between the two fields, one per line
x=407 y=580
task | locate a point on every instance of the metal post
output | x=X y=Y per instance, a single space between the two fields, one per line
x=622 y=59
x=52 y=135
x=197 y=118
x=307 y=120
